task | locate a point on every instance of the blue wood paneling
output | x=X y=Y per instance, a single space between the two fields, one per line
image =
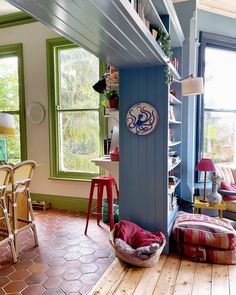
x=143 y=159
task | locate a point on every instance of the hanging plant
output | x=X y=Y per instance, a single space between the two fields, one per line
x=164 y=41
x=168 y=76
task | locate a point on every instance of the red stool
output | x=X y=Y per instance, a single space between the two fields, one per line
x=100 y=182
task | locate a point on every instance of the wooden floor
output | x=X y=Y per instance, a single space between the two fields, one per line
x=171 y=275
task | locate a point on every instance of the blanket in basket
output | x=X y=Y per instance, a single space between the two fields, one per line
x=135 y=236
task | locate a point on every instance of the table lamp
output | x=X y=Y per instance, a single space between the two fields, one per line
x=205 y=165
x=7 y=128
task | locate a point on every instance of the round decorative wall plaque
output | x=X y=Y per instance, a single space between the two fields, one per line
x=142 y=118
x=35 y=113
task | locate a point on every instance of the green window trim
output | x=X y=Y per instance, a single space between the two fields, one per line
x=52 y=46
x=17 y=50
x=15 y=19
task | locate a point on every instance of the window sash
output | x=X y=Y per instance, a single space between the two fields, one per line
x=215 y=41
x=53 y=47
x=10 y=51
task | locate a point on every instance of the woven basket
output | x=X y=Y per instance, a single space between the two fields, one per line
x=134 y=260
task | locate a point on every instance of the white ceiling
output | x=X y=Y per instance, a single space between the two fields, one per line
x=6 y=8
x=224 y=7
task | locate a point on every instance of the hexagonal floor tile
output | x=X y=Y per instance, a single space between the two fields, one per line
x=89 y=278
x=56 y=261
x=39 y=267
x=55 y=271
x=86 y=251
x=69 y=287
x=87 y=258
x=23 y=264
x=14 y=287
x=19 y=275
x=72 y=275
x=36 y=278
x=72 y=256
x=52 y=282
x=54 y=292
x=3 y=281
x=33 y=290
x=88 y=268
x=6 y=270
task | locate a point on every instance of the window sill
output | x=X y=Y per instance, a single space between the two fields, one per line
x=69 y=179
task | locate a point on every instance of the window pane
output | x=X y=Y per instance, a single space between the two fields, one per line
x=13 y=144
x=79 y=141
x=9 y=86
x=79 y=70
x=220 y=79
x=220 y=136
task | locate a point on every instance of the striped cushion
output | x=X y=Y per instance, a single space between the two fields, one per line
x=204 y=230
x=225 y=171
x=205 y=254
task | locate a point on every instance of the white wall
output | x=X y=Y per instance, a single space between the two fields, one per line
x=33 y=36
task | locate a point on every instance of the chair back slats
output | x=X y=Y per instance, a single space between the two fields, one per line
x=23 y=172
x=5 y=174
x=19 y=184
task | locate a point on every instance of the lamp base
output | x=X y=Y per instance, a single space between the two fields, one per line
x=203 y=200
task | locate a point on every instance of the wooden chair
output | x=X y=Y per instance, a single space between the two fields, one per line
x=20 y=181
x=6 y=233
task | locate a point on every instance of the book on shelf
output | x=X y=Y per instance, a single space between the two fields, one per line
x=172 y=201
x=147 y=23
x=171 y=135
x=154 y=33
x=175 y=63
x=171 y=113
x=110 y=110
x=173 y=92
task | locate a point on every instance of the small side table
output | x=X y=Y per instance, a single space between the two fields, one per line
x=201 y=205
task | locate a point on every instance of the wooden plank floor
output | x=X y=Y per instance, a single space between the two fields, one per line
x=171 y=275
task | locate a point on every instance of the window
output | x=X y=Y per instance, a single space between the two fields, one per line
x=218 y=107
x=12 y=99
x=75 y=111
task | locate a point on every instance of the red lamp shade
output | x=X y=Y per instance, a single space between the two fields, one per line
x=206 y=164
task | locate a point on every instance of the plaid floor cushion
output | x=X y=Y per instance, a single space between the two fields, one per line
x=202 y=230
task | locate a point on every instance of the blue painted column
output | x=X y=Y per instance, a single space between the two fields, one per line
x=186 y=12
x=144 y=159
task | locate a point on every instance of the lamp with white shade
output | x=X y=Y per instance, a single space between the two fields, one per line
x=191 y=85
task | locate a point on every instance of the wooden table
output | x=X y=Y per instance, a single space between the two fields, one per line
x=201 y=205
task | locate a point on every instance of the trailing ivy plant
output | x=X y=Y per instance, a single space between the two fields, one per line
x=164 y=41
x=168 y=77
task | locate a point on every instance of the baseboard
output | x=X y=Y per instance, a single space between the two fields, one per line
x=63 y=202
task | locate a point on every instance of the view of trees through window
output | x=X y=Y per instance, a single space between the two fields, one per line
x=219 y=105
x=9 y=102
x=77 y=110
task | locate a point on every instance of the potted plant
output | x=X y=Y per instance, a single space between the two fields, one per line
x=111 y=99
